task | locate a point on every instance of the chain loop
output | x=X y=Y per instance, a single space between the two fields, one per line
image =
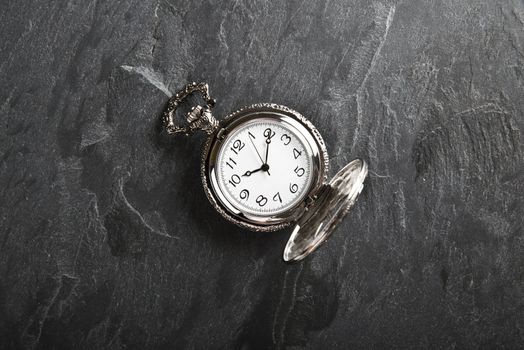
x=199 y=118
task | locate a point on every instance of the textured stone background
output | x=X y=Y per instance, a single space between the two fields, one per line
x=108 y=242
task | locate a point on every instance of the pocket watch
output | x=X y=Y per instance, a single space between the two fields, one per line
x=264 y=168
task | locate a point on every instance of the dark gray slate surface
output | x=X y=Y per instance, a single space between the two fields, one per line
x=108 y=242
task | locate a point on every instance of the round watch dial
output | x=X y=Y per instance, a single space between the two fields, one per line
x=265 y=167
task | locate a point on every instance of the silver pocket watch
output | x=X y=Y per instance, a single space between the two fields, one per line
x=264 y=168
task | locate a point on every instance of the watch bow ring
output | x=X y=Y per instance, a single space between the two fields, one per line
x=264 y=168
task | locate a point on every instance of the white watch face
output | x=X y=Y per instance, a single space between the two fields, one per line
x=265 y=167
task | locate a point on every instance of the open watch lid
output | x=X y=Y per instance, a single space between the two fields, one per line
x=331 y=205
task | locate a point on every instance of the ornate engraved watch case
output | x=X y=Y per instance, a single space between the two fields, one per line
x=288 y=186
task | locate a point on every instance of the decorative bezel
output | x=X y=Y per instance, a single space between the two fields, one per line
x=215 y=141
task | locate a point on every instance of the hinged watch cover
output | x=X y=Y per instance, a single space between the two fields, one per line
x=321 y=218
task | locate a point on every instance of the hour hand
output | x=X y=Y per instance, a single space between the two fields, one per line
x=264 y=167
x=248 y=173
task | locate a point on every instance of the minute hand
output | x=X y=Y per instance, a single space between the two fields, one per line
x=268 y=141
x=255 y=147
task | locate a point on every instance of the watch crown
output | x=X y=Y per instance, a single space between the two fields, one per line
x=198 y=118
x=201 y=118
x=194 y=114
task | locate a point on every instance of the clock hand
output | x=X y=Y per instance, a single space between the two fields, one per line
x=268 y=141
x=264 y=167
x=256 y=150
x=248 y=173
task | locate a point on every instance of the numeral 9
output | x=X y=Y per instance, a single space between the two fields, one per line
x=244 y=194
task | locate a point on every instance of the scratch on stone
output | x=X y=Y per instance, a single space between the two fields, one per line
x=374 y=174
x=94 y=133
x=289 y=310
x=360 y=90
x=382 y=40
x=293 y=15
x=485 y=108
x=155 y=29
x=293 y=300
x=343 y=57
x=222 y=35
x=78 y=252
x=151 y=76
x=42 y=313
x=156 y=9
x=392 y=116
x=518 y=15
x=400 y=201
x=20 y=41
x=511 y=36
x=138 y=214
x=277 y=311
x=470 y=86
x=94 y=213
